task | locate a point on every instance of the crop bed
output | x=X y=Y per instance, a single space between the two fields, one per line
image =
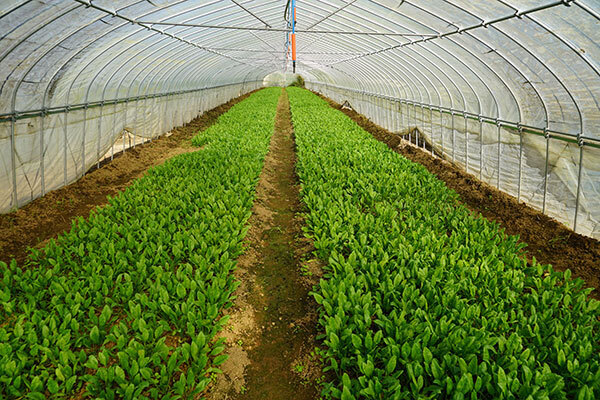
x=128 y=302
x=421 y=299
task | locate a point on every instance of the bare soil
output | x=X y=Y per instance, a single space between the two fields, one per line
x=549 y=241
x=45 y=218
x=273 y=323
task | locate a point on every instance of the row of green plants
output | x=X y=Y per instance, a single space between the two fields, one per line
x=421 y=298
x=127 y=303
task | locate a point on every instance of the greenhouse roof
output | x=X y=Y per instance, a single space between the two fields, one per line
x=533 y=63
x=74 y=75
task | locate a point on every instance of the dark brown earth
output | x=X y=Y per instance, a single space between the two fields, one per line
x=273 y=323
x=48 y=216
x=549 y=241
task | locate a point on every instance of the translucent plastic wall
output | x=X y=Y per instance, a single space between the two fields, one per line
x=507 y=89
x=75 y=76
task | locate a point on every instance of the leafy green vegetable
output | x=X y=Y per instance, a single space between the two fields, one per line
x=421 y=299
x=113 y=305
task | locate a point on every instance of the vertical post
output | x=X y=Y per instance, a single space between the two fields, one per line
x=146 y=112
x=453 y=136
x=409 y=128
x=65 y=147
x=466 y=142
x=125 y=126
x=499 y=142
x=402 y=124
x=547 y=136
x=520 y=162
x=431 y=128
x=416 y=129
x=580 y=143
x=99 y=136
x=83 y=140
x=42 y=166
x=135 y=122
x=390 y=113
x=112 y=147
x=398 y=108
x=423 y=125
x=13 y=159
x=442 y=132
x=480 y=148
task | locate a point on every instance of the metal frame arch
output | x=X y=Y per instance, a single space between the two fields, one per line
x=424 y=75
x=440 y=35
x=389 y=73
x=412 y=68
x=520 y=45
x=467 y=81
x=475 y=93
x=24 y=39
x=450 y=23
x=585 y=60
x=360 y=83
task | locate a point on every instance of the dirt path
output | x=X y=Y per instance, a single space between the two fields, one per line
x=549 y=241
x=273 y=322
x=48 y=216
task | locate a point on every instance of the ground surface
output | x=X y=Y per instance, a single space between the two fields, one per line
x=549 y=241
x=273 y=322
x=48 y=216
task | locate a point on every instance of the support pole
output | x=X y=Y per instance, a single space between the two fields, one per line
x=520 y=162
x=480 y=148
x=422 y=125
x=442 y=132
x=65 y=148
x=42 y=166
x=547 y=135
x=99 y=136
x=294 y=35
x=466 y=143
x=578 y=184
x=431 y=128
x=499 y=142
x=453 y=137
x=13 y=161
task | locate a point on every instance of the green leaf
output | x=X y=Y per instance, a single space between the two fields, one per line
x=36 y=384
x=427 y=356
x=346 y=395
x=71 y=383
x=561 y=358
x=95 y=335
x=391 y=365
x=220 y=359
x=119 y=374
x=52 y=386
x=92 y=362
x=346 y=380
x=502 y=381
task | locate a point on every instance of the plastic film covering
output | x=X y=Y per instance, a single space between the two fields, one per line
x=77 y=76
x=507 y=89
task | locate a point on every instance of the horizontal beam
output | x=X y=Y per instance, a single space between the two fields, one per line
x=81 y=106
x=250 y=28
x=459 y=31
x=581 y=140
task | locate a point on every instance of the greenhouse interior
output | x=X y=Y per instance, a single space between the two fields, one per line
x=299 y=199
